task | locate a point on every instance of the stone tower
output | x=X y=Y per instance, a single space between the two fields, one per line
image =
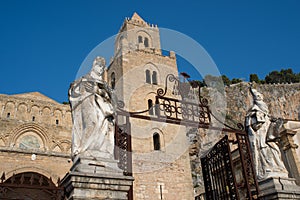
x=161 y=166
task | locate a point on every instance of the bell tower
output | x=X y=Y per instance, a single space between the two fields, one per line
x=160 y=157
x=135 y=34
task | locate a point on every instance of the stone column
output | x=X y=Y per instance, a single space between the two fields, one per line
x=290 y=157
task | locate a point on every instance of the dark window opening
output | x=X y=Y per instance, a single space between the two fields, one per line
x=156 y=141
x=56 y=122
x=146 y=42
x=140 y=39
x=156 y=108
x=148 y=79
x=154 y=78
x=113 y=80
x=33 y=118
x=8 y=115
x=150 y=106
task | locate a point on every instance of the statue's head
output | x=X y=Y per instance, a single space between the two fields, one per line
x=256 y=95
x=98 y=68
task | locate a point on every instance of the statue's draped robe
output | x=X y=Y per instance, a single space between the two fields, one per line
x=266 y=153
x=92 y=114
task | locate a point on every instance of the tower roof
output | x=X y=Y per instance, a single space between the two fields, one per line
x=136 y=17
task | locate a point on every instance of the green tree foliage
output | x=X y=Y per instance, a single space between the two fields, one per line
x=226 y=80
x=284 y=76
x=235 y=80
x=254 y=78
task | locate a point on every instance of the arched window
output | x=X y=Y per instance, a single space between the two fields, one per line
x=156 y=141
x=113 y=80
x=146 y=42
x=148 y=78
x=140 y=39
x=150 y=106
x=154 y=78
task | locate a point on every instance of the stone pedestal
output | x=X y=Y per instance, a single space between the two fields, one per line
x=96 y=179
x=278 y=188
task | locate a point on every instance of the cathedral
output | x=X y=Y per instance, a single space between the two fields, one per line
x=36 y=131
x=35 y=134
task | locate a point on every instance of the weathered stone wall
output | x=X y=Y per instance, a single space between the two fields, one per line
x=283 y=100
x=35 y=135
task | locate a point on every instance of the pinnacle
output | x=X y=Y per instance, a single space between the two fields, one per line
x=135 y=16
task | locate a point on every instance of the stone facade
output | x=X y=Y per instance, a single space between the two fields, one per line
x=138 y=69
x=35 y=135
x=282 y=99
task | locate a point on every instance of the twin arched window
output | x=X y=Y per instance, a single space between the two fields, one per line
x=153 y=77
x=144 y=40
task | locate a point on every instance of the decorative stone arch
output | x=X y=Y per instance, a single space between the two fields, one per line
x=153 y=70
x=60 y=144
x=46 y=113
x=31 y=168
x=22 y=111
x=57 y=148
x=30 y=127
x=9 y=107
x=32 y=106
x=144 y=34
x=3 y=141
x=22 y=104
x=35 y=112
x=57 y=114
x=30 y=185
x=46 y=108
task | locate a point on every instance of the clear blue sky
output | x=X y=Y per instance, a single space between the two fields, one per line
x=43 y=43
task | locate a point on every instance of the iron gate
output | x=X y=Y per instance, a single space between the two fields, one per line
x=218 y=172
x=219 y=175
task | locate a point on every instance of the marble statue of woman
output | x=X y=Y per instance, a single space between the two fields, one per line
x=92 y=114
x=263 y=142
